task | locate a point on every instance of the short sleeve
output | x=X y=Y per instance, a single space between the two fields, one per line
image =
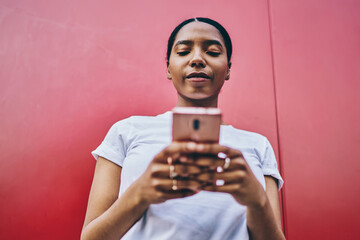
x=269 y=164
x=115 y=144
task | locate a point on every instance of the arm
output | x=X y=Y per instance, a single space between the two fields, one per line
x=110 y=217
x=107 y=216
x=264 y=220
x=263 y=211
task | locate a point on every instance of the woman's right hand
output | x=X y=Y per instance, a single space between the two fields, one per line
x=156 y=185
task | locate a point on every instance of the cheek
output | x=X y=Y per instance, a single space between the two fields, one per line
x=174 y=68
x=221 y=71
x=220 y=66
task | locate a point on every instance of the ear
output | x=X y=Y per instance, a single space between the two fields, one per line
x=228 y=72
x=168 y=73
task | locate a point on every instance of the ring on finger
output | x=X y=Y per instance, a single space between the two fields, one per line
x=172 y=173
x=226 y=163
x=169 y=160
x=174 y=185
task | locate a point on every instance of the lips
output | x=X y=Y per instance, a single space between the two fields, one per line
x=198 y=75
x=198 y=78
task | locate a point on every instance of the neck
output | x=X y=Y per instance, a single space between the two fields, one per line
x=208 y=102
x=187 y=102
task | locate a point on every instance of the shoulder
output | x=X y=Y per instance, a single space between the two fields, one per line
x=138 y=120
x=138 y=126
x=244 y=136
x=249 y=143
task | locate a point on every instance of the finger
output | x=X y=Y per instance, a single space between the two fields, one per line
x=165 y=195
x=228 y=177
x=227 y=188
x=215 y=149
x=182 y=170
x=187 y=170
x=189 y=158
x=175 y=149
x=187 y=184
x=214 y=162
x=180 y=184
x=206 y=160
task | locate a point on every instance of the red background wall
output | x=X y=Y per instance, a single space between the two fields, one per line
x=317 y=76
x=70 y=69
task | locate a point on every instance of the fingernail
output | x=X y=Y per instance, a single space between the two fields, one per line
x=220 y=182
x=222 y=155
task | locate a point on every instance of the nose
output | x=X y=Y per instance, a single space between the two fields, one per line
x=197 y=60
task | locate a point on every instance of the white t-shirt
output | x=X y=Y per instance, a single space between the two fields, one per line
x=133 y=142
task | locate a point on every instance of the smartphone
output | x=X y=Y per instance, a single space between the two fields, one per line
x=196 y=124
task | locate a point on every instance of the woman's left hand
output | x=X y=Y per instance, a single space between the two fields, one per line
x=232 y=175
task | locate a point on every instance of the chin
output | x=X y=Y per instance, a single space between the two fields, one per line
x=200 y=97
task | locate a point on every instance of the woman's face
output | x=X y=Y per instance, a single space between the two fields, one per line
x=198 y=64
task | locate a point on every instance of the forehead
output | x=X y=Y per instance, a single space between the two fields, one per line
x=198 y=31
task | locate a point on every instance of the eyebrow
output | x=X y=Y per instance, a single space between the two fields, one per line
x=207 y=42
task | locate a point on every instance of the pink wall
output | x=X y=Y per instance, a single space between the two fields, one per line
x=317 y=75
x=70 y=69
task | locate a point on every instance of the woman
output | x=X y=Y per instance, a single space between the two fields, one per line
x=147 y=204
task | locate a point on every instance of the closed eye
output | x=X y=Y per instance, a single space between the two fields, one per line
x=183 y=53
x=213 y=54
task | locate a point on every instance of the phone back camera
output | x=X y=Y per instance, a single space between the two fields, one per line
x=196 y=124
